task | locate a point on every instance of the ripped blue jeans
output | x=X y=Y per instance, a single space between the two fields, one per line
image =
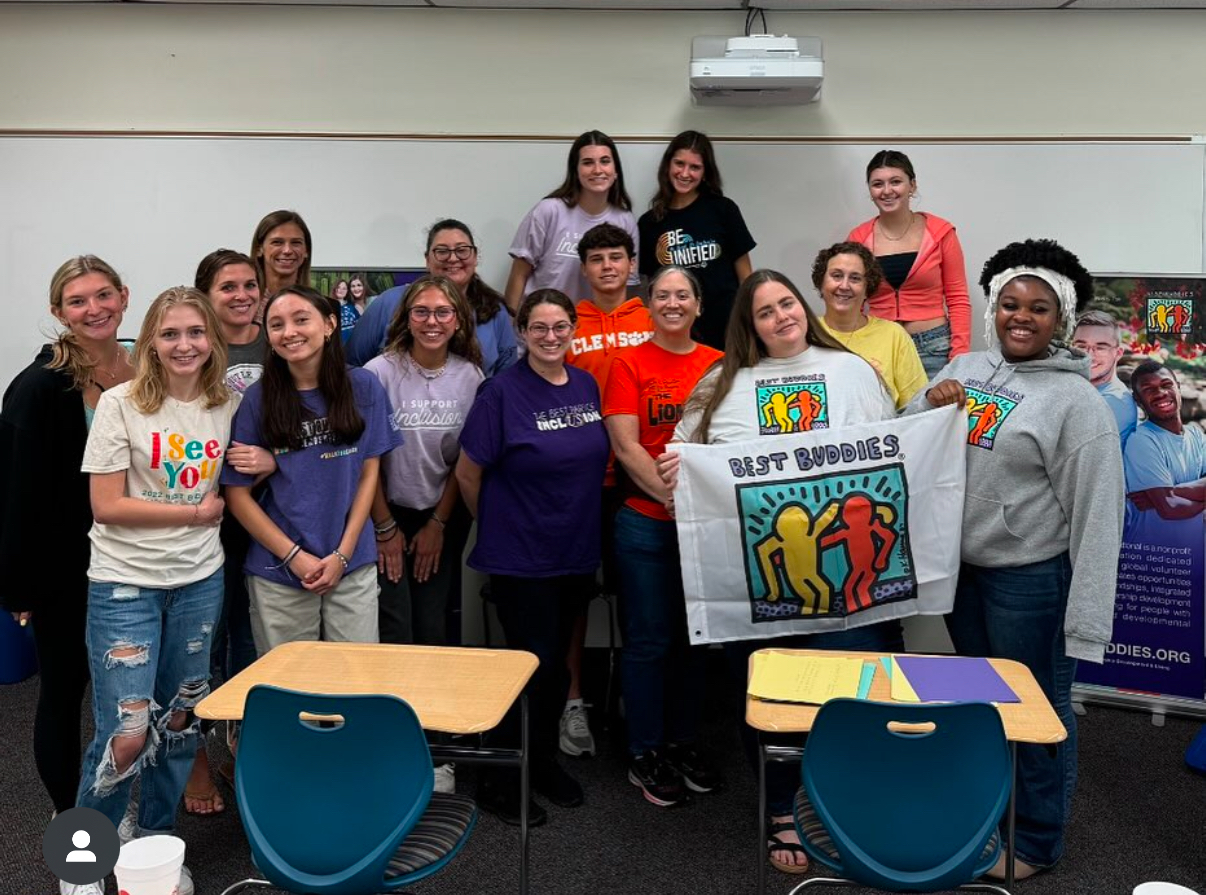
x=149 y=653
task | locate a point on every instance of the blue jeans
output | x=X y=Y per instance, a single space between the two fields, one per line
x=933 y=346
x=1018 y=613
x=782 y=777
x=149 y=652
x=662 y=674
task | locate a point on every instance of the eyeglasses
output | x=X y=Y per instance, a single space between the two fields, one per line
x=540 y=330
x=462 y=252
x=443 y=313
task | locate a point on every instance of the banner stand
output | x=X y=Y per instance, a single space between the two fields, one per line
x=1160 y=706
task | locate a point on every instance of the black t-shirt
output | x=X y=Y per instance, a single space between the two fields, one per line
x=706 y=237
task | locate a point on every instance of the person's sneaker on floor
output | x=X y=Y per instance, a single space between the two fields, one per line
x=657 y=780
x=576 y=738
x=697 y=771
x=498 y=794
x=554 y=783
x=66 y=888
x=445 y=778
x=127 y=830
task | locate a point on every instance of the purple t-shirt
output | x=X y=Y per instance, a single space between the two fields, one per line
x=543 y=450
x=311 y=493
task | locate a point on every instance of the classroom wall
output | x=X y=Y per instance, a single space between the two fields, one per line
x=162 y=67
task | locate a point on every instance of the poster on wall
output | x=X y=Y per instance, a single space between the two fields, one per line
x=356 y=289
x=1147 y=349
x=821 y=530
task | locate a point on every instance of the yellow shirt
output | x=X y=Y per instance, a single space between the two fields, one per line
x=887 y=347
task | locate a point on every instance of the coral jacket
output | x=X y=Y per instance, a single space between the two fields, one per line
x=935 y=287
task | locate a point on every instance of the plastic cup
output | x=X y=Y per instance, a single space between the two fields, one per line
x=1155 y=889
x=150 y=866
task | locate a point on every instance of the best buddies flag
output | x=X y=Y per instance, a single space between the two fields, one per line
x=822 y=530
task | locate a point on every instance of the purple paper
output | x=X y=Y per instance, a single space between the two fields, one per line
x=955 y=679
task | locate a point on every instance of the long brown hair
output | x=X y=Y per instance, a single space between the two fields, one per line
x=68 y=354
x=269 y=223
x=283 y=412
x=743 y=348
x=399 y=339
x=570 y=190
x=484 y=299
x=696 y=142
x=148 y=389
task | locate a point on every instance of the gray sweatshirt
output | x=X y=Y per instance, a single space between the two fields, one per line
x=1044 y=476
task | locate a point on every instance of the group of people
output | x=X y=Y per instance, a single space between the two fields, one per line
x=237 y=479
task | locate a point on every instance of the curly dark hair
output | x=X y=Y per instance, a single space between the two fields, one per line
x=1041 y=253
x=872 y=273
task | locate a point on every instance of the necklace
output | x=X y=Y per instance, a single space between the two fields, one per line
x=888 y=236
x=122 y=360
x=426 y=373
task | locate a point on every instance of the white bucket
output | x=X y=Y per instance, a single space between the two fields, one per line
x=150 y=866
x=1148 y=889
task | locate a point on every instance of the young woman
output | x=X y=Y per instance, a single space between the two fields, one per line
x=545 y=248
x=662 y=675
x=352 y=303
x=925 y=285
x=155 y=451
x=772 y=337
x=692 y=224
x=1042 y=520
x=845 y=274
x=430 y=373
x=311 y=569
x=533 y=455
x=450 y=253
x=43 y=429
x=228 y=279
x=281 y=248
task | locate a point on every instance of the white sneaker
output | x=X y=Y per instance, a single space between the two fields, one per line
x=576 y=738
x=66 y=888
x=186 y=886
x=445 y=780
x=127 y=830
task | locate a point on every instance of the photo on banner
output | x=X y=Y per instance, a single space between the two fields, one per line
x=821 y=530
x=1150 y=367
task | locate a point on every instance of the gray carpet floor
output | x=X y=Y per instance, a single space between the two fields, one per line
x=1139 y=815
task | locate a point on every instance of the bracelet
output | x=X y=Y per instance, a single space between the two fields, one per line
x=392 y=534
x=288 y=557
x=385 y=526
x=435 y=518
x=343 y=559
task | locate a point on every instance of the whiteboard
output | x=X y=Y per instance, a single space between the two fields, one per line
x=154 y=206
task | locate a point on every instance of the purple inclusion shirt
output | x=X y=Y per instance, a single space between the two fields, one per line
x=311 y=493
x=543 y=451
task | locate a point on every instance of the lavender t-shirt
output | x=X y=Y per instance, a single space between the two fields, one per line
x=311 y=493
x=547 y=239
x=543 y=450
x=430 y=413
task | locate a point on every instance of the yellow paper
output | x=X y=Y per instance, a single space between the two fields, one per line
x=902 y=690
x=787 y=678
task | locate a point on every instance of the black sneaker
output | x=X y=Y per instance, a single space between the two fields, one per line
x=657 y=780
x=555 y=784
x=697 y=772
x=502 y=800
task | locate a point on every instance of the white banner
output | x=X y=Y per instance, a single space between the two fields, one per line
x=822 y=530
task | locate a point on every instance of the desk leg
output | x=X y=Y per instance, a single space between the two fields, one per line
x=760 y=863
x=524 y=795
x=1011 y=819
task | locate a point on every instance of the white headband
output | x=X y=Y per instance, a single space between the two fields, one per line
x=1065 y=292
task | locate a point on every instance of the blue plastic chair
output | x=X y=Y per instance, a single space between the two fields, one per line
x=342 y=805
x=904 y=811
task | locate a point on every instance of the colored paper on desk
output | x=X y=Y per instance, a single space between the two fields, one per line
x=886 y=661
x=787 y=678
x=902 y=690
x=955 y=679
x=864 y=684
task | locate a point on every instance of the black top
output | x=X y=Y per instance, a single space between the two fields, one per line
x=706 y=237
x=896 y=267
x=45 y=509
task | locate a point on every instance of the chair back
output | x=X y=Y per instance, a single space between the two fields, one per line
x=326 y=803
x=908 y=811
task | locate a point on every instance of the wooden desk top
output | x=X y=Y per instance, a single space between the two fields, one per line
x=451 y=689
x=1030 y=721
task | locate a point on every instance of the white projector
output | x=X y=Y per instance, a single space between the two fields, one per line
x=759 y=70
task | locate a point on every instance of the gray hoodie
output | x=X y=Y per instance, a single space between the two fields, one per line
x=1044 y=476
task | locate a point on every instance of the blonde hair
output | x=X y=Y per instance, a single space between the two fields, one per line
x=68 y=354
x=148 y=389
